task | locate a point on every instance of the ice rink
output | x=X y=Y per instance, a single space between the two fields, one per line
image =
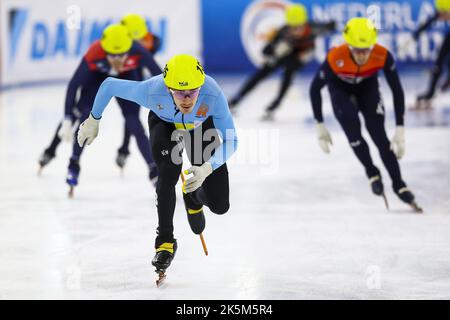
x=302 y=224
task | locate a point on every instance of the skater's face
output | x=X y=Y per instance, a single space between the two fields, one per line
x=185 y=99
x=361 y=56
x=117 y=61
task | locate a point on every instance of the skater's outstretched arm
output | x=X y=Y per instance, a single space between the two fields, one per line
x=78 y=79
x=224 y=124
x=320 y=81
x=136 y=91
x=390 y=71
x=317 y=84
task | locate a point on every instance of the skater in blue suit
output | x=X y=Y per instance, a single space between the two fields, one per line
x=187 y=109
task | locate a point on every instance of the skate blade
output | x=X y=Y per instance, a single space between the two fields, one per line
x=71 y=190
x=386 y=203
x=161 y=277
x=205 y=249
x=39 y=173
x=268 y=119
x=421 y=107
x=416 y=207
x=416 y=108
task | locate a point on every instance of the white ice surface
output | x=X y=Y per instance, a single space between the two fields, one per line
x=302 y=224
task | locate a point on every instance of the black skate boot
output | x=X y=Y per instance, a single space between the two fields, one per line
x=269 y=115
x=72 y=175
x=232 y=105
x=233 y=102
x=423 y=102
x=153 y=174
x=45 y=159
x=408 y=197
x=165 y=252
x=195 y=215
x=378 y=189
x=377 y=185
x=121 y=158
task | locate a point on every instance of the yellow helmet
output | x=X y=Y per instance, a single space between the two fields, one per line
x=136 y=25
x=296 y=15
x=442 y=5
x=360 y=33
x=183 y=72
x=115 y=39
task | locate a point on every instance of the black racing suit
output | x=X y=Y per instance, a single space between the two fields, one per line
x=289 y=60
x=443 y=57
x=349 y=99
x=214 y=192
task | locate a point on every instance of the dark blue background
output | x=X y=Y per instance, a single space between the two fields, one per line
x=222 y=48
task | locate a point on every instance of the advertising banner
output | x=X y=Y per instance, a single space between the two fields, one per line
x=44 y=40
x=233 y=31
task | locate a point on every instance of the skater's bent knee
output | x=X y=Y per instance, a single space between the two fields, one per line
x=220 y=208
